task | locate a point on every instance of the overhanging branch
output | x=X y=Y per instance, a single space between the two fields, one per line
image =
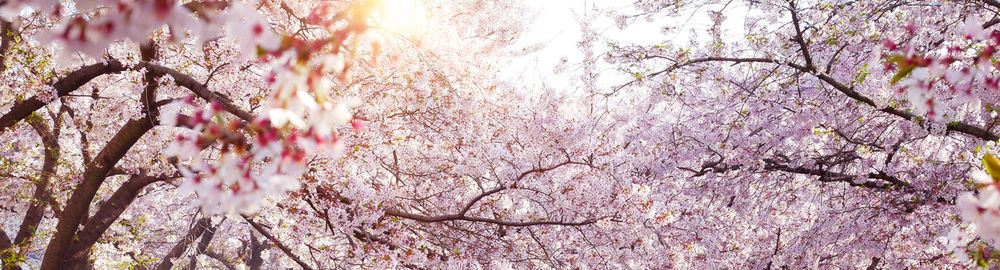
x=959 y=127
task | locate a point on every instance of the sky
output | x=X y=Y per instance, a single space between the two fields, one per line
x=557 y=27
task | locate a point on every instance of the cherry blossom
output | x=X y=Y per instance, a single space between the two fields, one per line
x=253 y=134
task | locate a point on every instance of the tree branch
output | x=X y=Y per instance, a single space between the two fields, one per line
x=277 y=243
x=40 y=199
x=430 y=219
x=993 y=3
x=4 y=241
x=6 y=39
x=803 y=46
x=78 y=78
x=5 y=249
x=254 y=261
x=196 y=231
x=107 y=215
x=79 y=249
x=462 y=213
x=64 y=86
x=220 y=258
x=959 y=127
x=829 y=176
x=93 y=176
x=200 y=90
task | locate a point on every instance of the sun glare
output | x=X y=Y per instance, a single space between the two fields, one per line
x=405 y=17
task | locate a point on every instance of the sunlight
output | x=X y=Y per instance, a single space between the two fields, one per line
x=405 y=17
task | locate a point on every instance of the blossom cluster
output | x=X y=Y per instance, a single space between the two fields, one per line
x=981 y=209
x=90 y=27
x=935 y=82
x=231 y=164
x=245 y=171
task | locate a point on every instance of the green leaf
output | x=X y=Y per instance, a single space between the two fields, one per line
x=992 y=165
x=903 y=72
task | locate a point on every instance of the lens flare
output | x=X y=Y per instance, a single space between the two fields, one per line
x=406 y=17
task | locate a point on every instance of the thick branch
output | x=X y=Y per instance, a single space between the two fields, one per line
x=993 y=3
x=107 y=215
x=874 y=264
x=255 y=261
x=828 y=176
x=846 y=90
x=200 y=90
x=196 y=231
x=4 y=241
x=64 y=86
x=6 y=39
x=40 y=198
x=78 y=78
x=93 y=176
x=803 y=46
x=206 y=239
x=5 y=250
x=260 y=229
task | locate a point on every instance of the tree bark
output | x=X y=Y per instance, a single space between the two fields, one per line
x=108 y=213
x=78 y=203
x=64 y=86
x=6 y=39
x=40 y=198
x=196 y=231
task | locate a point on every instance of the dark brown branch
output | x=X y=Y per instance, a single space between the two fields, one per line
x=84 y=142
x=200 y=90
x=93 y=176
x=991 y=23
x=712 y=166
x=64 y=86
x=322 y=214
x=220 y=258
x=955 y=126
x=255 y=261
x=803 y=45
x=107 y=215
x=480 y=197
x=829 y=176
x=833 y=58
x=993 y=3
x=959 y=127
x=4 y=241
x=109 y=212
x=874 y=264
x=78 y=78
x=430 y=219
x=206 y=240
x=7 y=38
x=77 y=207
x=196 y=231
x=40 y=198
x=260 y=229
x=462 y=213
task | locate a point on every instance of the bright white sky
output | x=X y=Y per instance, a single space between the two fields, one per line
x=557 y=27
